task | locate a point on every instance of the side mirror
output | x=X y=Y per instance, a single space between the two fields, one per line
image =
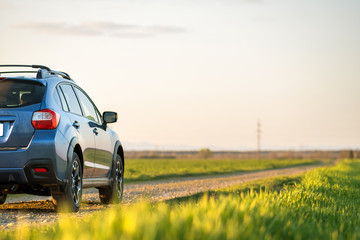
x=109 y=117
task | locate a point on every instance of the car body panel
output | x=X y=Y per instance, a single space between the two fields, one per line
x=103 y=154
x=86 y=141
x=18 y=129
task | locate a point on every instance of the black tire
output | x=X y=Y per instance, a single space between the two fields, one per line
x=114 y=193
x=70 y=200
x=2 y=198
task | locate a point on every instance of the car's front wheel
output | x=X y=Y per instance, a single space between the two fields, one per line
x=114 y=193
x=70 y=200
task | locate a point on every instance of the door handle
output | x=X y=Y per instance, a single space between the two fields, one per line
x=95 y=131
x=76 y=124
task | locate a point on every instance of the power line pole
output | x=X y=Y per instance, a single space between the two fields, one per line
x=258 y=137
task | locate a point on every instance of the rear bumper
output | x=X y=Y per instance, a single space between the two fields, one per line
x=28 y=175
x=12 y=175
x=43 y=178
x=48 y=149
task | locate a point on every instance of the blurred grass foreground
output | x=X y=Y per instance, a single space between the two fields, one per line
x=323 y=204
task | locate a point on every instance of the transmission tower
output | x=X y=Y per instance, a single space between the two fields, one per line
x=258 y=137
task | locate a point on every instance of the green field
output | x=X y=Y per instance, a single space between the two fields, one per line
x=152 y=169
x=322 y=204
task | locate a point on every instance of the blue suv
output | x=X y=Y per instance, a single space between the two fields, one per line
x=53 y=139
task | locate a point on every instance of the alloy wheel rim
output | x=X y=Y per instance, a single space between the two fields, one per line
x=76 y=182
x=119 y=180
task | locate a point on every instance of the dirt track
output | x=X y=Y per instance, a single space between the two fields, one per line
x=24 y=209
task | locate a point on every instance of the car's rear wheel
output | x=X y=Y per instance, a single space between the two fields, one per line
x=70 y=200
x=2 y=198
x=114 y=193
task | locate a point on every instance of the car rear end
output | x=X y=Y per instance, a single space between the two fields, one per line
x=29 y=140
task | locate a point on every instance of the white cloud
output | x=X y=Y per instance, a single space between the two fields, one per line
x=101 y=29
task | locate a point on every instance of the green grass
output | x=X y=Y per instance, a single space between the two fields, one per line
x=322 y=204
x=153 y=169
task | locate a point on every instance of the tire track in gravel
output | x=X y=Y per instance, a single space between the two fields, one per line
x=29 y=209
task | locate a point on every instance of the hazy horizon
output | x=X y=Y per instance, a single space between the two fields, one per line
x=147 y=146
x=202 y=73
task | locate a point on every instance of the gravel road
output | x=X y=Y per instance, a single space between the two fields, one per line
x=24 y=209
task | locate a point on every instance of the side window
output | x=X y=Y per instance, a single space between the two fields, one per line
x=62 y=99
x=57 y=98
x=87 y=106
x=71 y=99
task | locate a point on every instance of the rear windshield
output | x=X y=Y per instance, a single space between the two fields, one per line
x=20 y=93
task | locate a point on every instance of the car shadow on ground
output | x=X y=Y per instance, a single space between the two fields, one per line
x=46 y=207
x=32 y=206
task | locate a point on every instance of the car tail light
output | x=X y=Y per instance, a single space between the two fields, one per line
x=2 y=78
x=40 y=170
x=45 y=119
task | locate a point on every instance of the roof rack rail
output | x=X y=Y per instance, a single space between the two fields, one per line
x=19 y=72
x=43 y=72
x=62 y=74
x=32 y=66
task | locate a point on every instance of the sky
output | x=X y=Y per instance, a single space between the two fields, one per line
x=185 y=75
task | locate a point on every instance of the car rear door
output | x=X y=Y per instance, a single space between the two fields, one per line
x=103 y=153
x=84 y=131
x=16 y=130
